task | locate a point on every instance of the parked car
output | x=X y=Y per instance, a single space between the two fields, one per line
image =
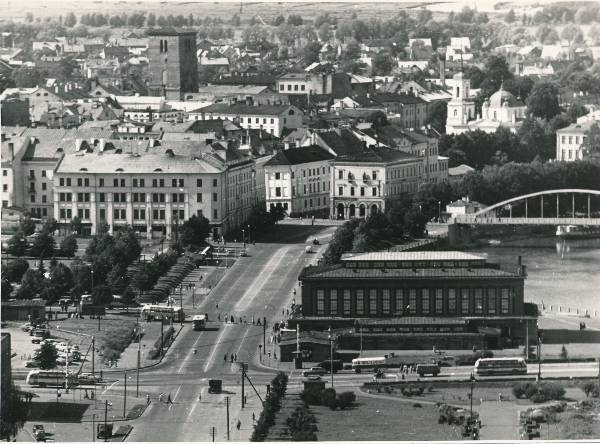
x=32 y=364
x=316 y=241
x=308 y=249
x=39 y=335
x=27 y=327
x=88 y=378
x=215 y=385
x=319 y=371
x=243 y=253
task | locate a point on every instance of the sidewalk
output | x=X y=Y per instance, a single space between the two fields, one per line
x=73 y=417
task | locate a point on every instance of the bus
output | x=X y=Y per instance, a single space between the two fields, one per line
x=360 y=364
x=500 y=366
x=199 y=322
x=150 y=312
x=50 y=378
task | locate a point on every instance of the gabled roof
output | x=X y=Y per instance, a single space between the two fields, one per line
x=296 y=156
x=377 y=154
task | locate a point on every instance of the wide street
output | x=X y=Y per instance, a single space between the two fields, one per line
x=257 y=286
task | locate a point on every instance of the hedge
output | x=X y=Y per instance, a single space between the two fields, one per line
x=270 y=407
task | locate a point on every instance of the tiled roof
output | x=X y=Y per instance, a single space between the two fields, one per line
x=413 y=256
x=296 y=156
x=407 y=273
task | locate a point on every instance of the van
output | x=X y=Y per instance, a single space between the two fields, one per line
x=428 y=369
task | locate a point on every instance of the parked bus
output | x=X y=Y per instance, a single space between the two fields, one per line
x=500 y=366
x=150 y=312
x=360 y=364
x=199 y=322
x=50 y=378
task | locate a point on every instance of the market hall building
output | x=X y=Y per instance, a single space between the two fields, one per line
x=416 y=300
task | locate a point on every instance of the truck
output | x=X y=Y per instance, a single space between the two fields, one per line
x=215 y=386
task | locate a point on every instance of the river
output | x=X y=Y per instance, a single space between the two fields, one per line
x=560 y=273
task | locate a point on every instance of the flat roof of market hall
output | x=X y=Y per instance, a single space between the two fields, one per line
x=401 y=256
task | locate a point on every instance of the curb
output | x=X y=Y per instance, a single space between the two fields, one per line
x=154 y=364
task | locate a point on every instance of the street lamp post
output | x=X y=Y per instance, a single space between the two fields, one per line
x=244 y=237
x=331 y=355
x=472 y=379
x=439 y=210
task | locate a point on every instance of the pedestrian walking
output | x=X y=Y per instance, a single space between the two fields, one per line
x=239 y=424
x=294 y=292
x=219 y=317
x=287 y=312
x=235 y=359
x=160 y=397
x=252 y=320
x=169 y=400
x=225 y=357
x=200 y=396
x=240 y=319
x=232 y=358
x=253 y=417
x=232 y=320
x=148 y=398
x=217 y=305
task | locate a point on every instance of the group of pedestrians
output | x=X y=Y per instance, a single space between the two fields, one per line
x=233 y=357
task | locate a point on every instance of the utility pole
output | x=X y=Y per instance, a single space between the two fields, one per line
x=105 y=419
x=98 y=322
x=93 y=427
x=472 y=382
x=526 y=340
x=539 y=353
x=243 y=377
x=264 y=335
x=93 y=354
x=181 y=304
x=213 y=434
x=125 y=396
x=137 y=373
x=227 y=403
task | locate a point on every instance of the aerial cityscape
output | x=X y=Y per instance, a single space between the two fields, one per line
x=300 y=221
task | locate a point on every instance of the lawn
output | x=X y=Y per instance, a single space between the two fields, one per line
x=376 y=419
x=114 y=335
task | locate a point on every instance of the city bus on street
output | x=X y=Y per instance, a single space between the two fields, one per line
x=199 y=322
x=360 y=364
x=150 y=312
x=50 y=378
x=500 y=366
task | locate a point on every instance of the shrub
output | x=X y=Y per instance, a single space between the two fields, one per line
x=551 y=391
x=153 y=353
x=417 y=405
x=68 y=246
x=429 y=388
x=346 y=399
x=270 y=407
x=589 y=388
x=546 y=391
x=328 y=398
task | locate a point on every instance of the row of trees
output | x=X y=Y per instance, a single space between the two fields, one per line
x=271 y=406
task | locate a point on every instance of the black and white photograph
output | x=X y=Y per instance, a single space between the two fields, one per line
x=294 y=220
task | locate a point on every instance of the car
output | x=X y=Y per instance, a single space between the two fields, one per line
x=27 y=327
x=39 y=433
x=313 y=377
x=88 y=378
x=308 y=249
x=316 y=241
x=39 y=336
x=32 y=364
x=319 y=371
x=243 y=253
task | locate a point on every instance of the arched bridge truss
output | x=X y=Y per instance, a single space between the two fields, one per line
x=550 y=207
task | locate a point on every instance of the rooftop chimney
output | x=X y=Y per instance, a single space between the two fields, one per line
x=443 y=72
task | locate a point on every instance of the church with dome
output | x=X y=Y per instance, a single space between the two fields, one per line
x=501 y=109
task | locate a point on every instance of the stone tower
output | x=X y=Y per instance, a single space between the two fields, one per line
x=461 y=109
x=173 y=63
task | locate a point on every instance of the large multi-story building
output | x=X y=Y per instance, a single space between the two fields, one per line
x=305 y=83
x=156 y=190
x=366 y=182
x=461 y=109
x=298 y=180
x=417 y=300
x=570 y=141
x=269 y=118
x=172 y=62
x=13 y=146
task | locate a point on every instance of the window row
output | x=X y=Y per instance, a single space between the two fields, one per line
x=415 y=301
x=374 y=191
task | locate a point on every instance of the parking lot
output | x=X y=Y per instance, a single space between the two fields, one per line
x=20 y=344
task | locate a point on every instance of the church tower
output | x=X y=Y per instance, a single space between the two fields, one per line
x=460 y=109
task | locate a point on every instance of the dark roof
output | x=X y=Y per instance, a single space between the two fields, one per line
x=295 y=156
x=340 y=272
x=72 y=94
x=406 y=99
x=243 y=108
x=340 y=85
x=24 y=303
x=388 y=133
x=261 y=80
x=377 y=154
x=170 y=31
x=341 y=141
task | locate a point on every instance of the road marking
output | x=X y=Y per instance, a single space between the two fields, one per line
x=214 y=350
x=109 y=387
x=174 y=397
x=190 y=354
x=262 y=278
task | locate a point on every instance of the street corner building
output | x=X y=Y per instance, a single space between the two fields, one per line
x=416 y=300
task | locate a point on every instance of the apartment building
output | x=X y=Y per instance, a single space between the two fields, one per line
x=569 y=141
x=298 y=180
x=270 y=118
x=365 y=183
x=13 y=146
x=305 y=83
